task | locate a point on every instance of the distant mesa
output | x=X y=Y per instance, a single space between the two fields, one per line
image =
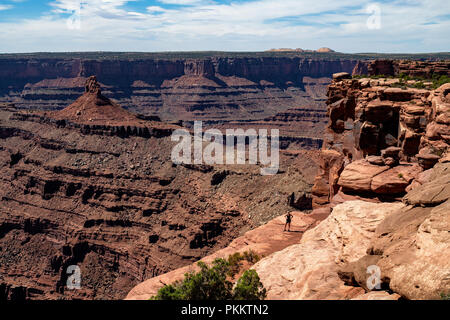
x=320 y=50
x=92 y=106
x=325 y=49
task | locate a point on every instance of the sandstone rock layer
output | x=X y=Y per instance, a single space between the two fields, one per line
x=308 y=270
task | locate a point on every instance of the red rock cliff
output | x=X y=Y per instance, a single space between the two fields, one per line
x=382 y=133
x=210 y=88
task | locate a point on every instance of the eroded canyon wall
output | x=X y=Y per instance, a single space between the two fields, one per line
x=215 y=88
x=383 y=191
x=384 y=176
x=381 y=133
x=105 y=196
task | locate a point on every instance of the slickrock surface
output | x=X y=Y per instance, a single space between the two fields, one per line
x=264 y=240
x=413 y=244
x=358 y=176
x=308 y=270
x=377 y=295
x=407 y=241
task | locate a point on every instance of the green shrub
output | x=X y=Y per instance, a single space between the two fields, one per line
x=436 y=80
x=211 y=283
x=440 y=80
x=235 y=263
x=235 y=260
x=170 y=292
x=445 y=296
x=249 y=287
x=251 y=256
x=419 y=85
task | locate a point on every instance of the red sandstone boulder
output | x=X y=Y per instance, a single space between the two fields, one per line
x=341 y=76
x=391 y=152
x=391 y=156
x=367 y=140
x=395 y=180
x=358 y=175
x=428 y=160
x=378 y=111
x=376 y=160
x=435 y=131
x=398 y=94
x=414 y=109
x=325 y=184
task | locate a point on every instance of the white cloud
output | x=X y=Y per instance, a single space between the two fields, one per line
x=253 y=25
x=155 y=9
x=182 y=2
x=5 y=7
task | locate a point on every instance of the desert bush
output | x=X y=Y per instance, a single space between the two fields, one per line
x=445 y=296
x=235 y=260
x=249 y=287
x=211 y=283
x=251 y=256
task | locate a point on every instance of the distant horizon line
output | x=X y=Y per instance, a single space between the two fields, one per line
x=276 y=51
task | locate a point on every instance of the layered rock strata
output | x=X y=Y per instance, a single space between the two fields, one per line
x=388 y=147
x=380 y=137
x=388 y=67
x=113 y=204
x=384 y=177
x=203 y=89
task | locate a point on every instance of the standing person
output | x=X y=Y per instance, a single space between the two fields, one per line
x=288 y=222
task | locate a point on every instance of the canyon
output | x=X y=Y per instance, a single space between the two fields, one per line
x=93 y=185
x=86 y=176
x=381 y=199
x=214 y=89
x=211 y=89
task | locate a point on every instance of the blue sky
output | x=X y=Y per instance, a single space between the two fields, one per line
x=226 y=25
